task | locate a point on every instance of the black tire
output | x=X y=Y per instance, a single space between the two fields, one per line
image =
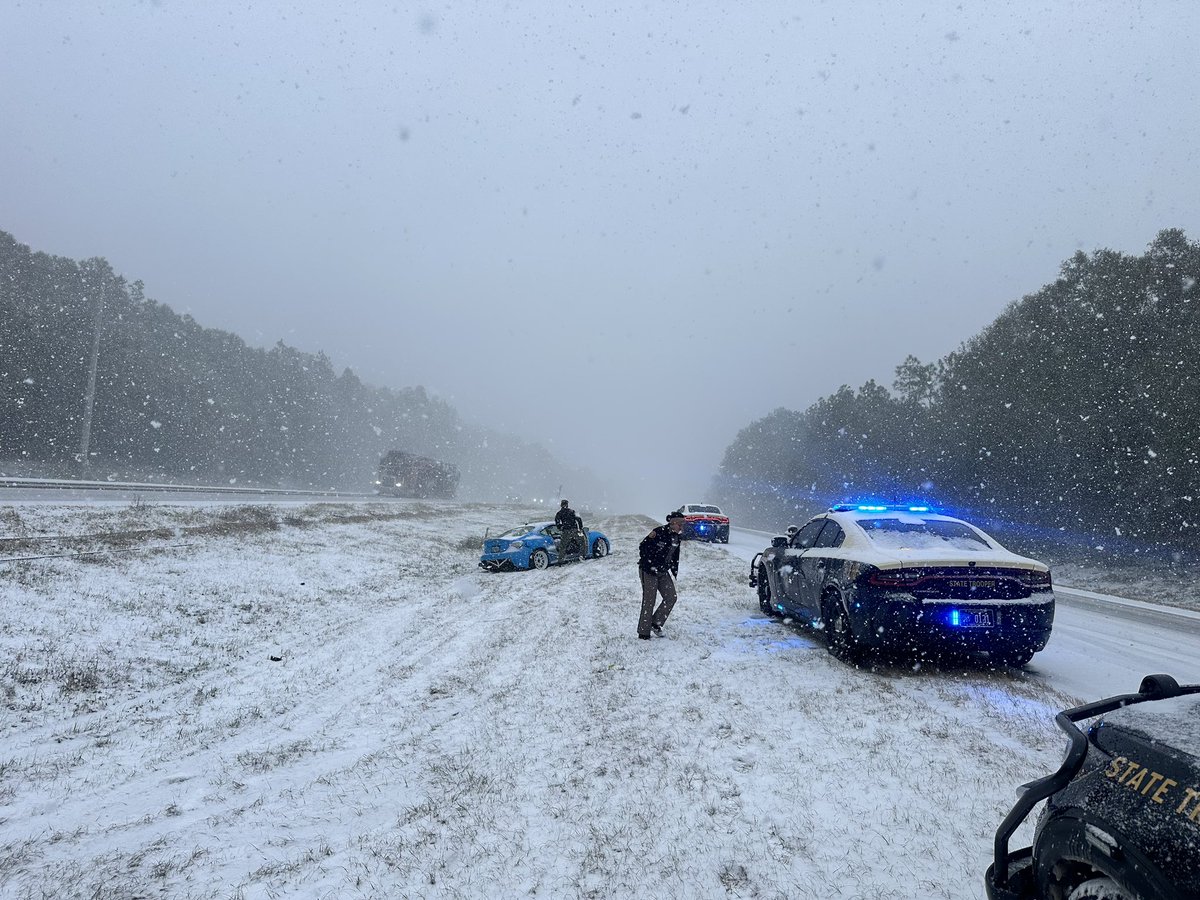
x=539 y=559
x=764 y=593
x=1012 y=656
x=1101 y=888
x=600 y=548
x=839 y=636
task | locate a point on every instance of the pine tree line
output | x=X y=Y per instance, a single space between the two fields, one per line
x=1076 y=411
x=179 y=402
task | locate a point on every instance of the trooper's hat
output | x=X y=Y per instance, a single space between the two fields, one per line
x=674 y=514
x=565 y=503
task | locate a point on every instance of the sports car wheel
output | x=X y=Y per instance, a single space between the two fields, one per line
x=539 y=559
x=764 y=594
x=1097 y=889
x=842 y=643
x=600 y=548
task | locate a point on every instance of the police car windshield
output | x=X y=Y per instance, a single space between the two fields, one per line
x=911 y=533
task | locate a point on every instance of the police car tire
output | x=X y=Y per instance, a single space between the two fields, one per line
x=600 y=548
x=764 y=594
x=1013 y=656
x=1098 y=889
x=539 y=559
x=840 y=636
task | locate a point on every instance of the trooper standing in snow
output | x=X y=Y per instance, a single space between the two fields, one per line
x=658 y=566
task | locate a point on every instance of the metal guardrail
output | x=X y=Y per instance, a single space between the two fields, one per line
x=79 y=484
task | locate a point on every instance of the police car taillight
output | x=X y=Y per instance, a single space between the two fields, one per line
x=1034 y=578
x=895 y=577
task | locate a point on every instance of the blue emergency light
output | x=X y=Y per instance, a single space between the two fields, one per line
x=880 y=507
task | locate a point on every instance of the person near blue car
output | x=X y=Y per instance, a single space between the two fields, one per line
x=570 y=526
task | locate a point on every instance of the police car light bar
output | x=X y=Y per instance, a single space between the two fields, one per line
x=877 y=507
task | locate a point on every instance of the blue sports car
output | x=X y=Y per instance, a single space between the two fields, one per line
x=533 y=546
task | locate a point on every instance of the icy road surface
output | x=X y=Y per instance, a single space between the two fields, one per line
x=334 y=701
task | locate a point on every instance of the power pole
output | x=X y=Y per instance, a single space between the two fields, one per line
x=90 y=397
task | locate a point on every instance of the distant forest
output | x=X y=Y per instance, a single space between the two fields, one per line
x=175 y=401
x=1077 y=411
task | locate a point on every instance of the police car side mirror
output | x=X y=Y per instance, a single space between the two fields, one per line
x=779 y=541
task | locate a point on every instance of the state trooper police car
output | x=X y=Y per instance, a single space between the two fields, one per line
x=878 y=576
x=1122 y=814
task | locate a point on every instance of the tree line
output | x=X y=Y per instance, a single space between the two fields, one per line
x=1076 y=411
x=179 y=402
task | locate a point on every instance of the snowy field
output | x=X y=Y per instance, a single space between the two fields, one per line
x=334 y=701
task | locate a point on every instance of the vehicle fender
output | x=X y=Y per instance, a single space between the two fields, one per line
x=771 y=562
x=860 y=621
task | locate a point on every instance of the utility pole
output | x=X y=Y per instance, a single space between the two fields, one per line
x=90 y=397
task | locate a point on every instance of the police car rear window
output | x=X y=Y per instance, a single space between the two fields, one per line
x=705 y=509
x=911 y=533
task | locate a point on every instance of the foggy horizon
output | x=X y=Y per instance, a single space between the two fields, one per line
x=622 y=236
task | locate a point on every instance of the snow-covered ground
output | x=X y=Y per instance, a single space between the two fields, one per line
x=333 y=701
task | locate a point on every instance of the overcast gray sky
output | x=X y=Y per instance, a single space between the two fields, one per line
x=626 y=229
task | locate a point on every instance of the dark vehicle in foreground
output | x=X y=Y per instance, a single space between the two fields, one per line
x=704 y=522
x=403 y=474
x=1122 y=814
x=879 y=577
x=535 y=546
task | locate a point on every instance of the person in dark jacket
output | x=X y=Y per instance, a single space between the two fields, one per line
x=658 y=566
x=571 y=528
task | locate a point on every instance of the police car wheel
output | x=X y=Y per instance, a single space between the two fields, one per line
x=539 y=559
x=842 y=644
x=1098 y=889
x=1012 y=656
x=600 y=548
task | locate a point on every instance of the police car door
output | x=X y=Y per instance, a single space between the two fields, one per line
x=791 y=579
x=817 y=566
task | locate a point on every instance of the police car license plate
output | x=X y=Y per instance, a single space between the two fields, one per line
x=975 y=618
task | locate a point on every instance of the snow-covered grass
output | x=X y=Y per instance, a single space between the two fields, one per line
x=331 y=701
